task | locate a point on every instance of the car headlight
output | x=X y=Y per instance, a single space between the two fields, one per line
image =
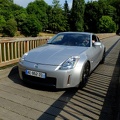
x=69 y=63
x=23 y=57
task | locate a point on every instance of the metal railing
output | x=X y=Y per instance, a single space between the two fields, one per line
x=12 y=50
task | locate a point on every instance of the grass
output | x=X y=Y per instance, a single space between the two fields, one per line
x=46 y=34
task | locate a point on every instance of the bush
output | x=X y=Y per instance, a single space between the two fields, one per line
x=10 y=28
x=2 y=23
x=106 y=25
x=31 y=27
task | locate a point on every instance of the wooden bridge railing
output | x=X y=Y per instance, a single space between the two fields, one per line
x=12 y=50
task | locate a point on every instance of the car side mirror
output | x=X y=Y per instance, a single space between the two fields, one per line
x=48 y=41
x=97 y=44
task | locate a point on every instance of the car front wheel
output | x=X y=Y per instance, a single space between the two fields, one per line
x=85 y=75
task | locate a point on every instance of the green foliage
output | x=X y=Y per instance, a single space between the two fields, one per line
x=20 y=17
x=91 y=16
x=106 y=9
x=56 y=4
x=67 y=15
x=31 y=26
x=39 y=16
x=94 y=11
x=2 y=23
x=57 y=20
x=77 y=15
x=110 y=11
x=6 y=9
x=116 y=4
x=106 y=25
x=39 y=9
x=10 y=28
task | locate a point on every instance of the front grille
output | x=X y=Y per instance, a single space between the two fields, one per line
x=49 y=81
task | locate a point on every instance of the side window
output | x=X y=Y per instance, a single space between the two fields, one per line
x=94 y=39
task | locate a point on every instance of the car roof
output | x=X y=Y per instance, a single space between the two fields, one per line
x=75 y=33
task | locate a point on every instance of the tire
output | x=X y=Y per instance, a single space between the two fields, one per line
x=103 y=58
x=85 y=75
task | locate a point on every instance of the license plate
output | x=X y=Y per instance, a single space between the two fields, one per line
x=35 y=73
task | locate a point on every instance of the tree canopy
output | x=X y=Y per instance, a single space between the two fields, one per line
x=93 y=16
x=77 y=17
x=106 y=24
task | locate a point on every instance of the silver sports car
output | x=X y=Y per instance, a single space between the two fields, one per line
x=65 y=61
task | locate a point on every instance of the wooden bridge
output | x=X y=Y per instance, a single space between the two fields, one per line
x=99 y=100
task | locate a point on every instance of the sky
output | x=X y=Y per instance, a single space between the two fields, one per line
x=24 y=3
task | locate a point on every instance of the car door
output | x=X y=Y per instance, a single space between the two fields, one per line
x=96 y=51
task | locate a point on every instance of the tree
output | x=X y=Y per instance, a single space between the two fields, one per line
x=77 y=15
x=116 y=4
x=113 y=10
x=66 y=8
x=49 y=15
x=105 y=9
x=31 y=26
x=10 y=1
x=2 y=23
x=57 y=21
x=39 y=9
x=91 y=16
x=106 y=25
x=67 y=15
x=20 y=17
x=56 y=4
x=110 y=11
x=94 y=11
x=5 y=9
x=10 y=28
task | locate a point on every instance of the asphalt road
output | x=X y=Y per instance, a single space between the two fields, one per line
x=98 y=100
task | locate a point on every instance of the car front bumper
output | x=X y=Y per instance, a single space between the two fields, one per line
x=62 y=78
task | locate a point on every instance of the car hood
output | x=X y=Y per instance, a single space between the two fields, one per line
x=53 y=54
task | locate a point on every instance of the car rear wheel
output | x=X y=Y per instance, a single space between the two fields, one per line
x=85 y=75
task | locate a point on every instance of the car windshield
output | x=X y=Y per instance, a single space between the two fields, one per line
x=71 y=40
